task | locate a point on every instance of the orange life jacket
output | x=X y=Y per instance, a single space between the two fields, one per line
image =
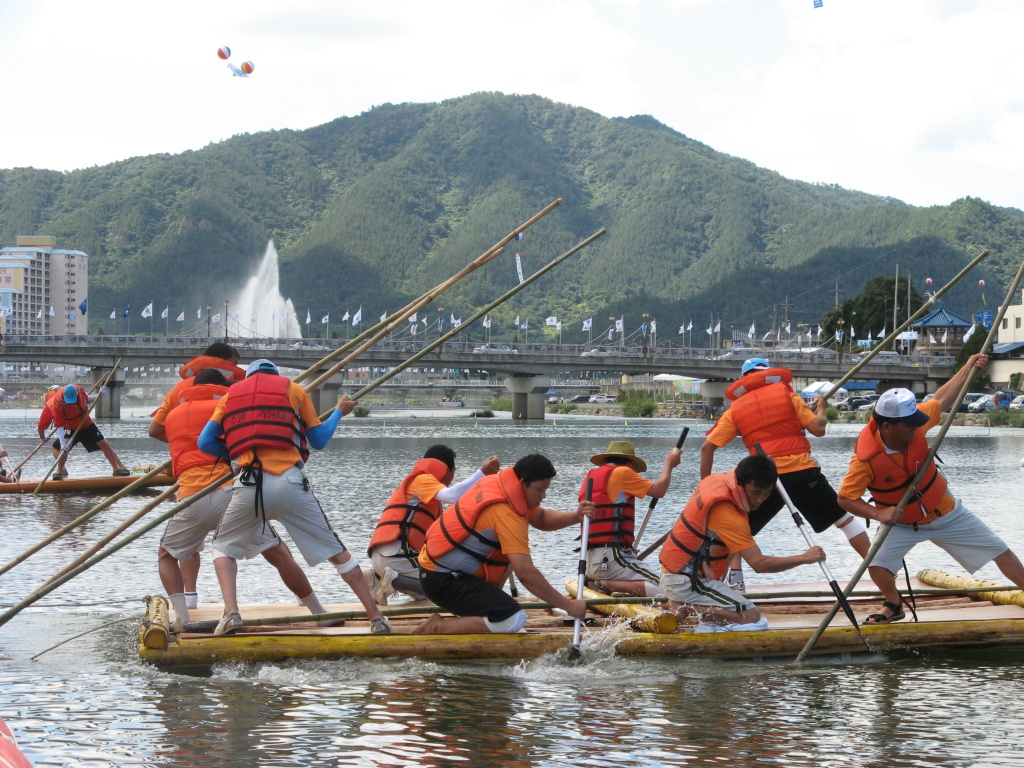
x=201 y=363
x=763 y=413
x=184 y=424
x=689 y=542
x=890 y=480
x=406 y=517
x=74 y=413
x=454 y=532
x=259 y=414
x=613 y=523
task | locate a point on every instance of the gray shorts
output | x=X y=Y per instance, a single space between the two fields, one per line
x=961 y=533
x=617 y=564
x=286 y=498
x=389 y=556
x=186 y=532
x=709 y=592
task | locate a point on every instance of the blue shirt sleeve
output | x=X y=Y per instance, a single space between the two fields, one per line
x=319 y=436
x=210 y=440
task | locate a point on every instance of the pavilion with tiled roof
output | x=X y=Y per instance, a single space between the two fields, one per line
x=943 y=325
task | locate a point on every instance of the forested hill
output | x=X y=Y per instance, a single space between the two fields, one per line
x=372 y=210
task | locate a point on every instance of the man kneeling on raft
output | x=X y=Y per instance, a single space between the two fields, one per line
x=470 y=548
x=714 y=524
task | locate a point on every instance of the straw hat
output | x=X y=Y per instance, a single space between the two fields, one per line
x=620 y=449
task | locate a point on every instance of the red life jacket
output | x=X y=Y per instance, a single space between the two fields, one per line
x=406 y=517
x=689 y=540
x=74 y=413
x=184 y=424
x=763 y=413
x=890 y=480
x=260 y=415
x=455 y=530
x=613 y=524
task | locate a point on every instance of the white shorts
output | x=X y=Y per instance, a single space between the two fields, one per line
x=399 y=563
x=287 y=498
x=709 y=592
x=960 y=532
x=617 y=564
x=186 y=532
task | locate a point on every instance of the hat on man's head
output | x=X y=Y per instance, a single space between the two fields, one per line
x=55 y=386
x=901 y=404
x=260 y=366
x=620 y=449
x=70 y=394
x=754 y=364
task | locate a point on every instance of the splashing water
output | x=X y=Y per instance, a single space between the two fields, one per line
x=261 y=299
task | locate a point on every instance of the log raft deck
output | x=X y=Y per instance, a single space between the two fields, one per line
x=944 y=621
x=83 y=484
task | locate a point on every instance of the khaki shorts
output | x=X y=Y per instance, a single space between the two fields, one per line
x=186 y=532
x=617 y=564
x=709 y=592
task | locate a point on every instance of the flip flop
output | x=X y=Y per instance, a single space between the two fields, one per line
x=881 y=618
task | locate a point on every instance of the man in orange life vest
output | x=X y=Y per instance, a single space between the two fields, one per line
x=69 y=412
x=46 y=417
x=395 y=545
x=186 y=532
x=218 y=356
x=471 y=546
x=888 y=454
x=714 y=524
x=611 y=562
x=263 y=424
x=766 y=411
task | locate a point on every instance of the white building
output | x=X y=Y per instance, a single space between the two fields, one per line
x=43 y=288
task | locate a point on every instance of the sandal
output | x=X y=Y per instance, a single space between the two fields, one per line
x=881 y=618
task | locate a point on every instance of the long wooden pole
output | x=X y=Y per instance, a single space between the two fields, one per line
x=884 y=529
x=71 y=440
x=373 y=334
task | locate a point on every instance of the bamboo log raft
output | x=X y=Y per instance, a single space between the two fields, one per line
x=642 y=618
x=947 y=581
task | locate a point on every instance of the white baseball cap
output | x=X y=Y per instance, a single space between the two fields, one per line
x=901 y=404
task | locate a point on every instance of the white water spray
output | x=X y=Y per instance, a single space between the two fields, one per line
x=261 y=299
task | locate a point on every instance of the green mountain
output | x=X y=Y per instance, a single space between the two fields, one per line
x=373 y=210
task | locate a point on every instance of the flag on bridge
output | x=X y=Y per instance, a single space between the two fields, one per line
x=215 y=318
x=325 y=318
x=552 y=321
x=308 y=318
x=180 y=318
x=487 y=321
x=165 y=313
x=147 y=311
x=620 y=325
x=587 y=324
x=357 y=316
x=127 y=312
x=345 y=318
x=113 y=314
x=750 y=333
x=84 y=305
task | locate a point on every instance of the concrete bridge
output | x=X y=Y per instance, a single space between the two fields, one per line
x=529 y=367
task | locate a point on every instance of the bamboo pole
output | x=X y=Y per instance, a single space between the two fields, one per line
x=128 y=523
x=373 y=334
x=107 y=502
x=884 y=529
x=81 y=423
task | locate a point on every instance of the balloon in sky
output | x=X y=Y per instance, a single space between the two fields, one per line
x=981 y=283
x=224 y=52
x=247 y=67
x=927 y=281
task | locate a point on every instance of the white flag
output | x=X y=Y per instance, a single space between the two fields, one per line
x=788 y=329
x=654 y=326
x=148 y=310
x=931 y=338
x=882 y=334
x=970 y=332
x=357 y=317
x=384 y=316
x=853 y=333
x=682 y=329
x=689 y=326
x=487 y=321
x=610 y=332
x=215 y=318
x=39 y=315
x=558 y=326
x=325 y=318
x=165 y=313
x=457 y=322
x=588 y=324
x=525 y=326
x=452 y=319
x=52 y=313
x=769 y=333
x=412 y=317
x=345 y=317
x=415 y=327
x=819 y=332
x=945 y=335
x=620 y=325
x=519 y=268
x=552 y=321
x=709 y=331
x=308 y=318
x=869 y=336
x=283 y=320
x=517 y=321
x=750 y=333
x=718 y=327
x=181 y=317
x=113 y=314
x=199 y=314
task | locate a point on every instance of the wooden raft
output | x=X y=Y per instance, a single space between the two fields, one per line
x=83 y=484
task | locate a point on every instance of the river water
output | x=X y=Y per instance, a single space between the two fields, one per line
x=91 y=703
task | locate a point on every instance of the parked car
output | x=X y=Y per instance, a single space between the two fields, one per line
x=487 y=349
x=603 y=399
x=1017 y=404
x=969 y=398
x=581 y=399
x=598 y=352
x=870 y=404
x=854 y=402
x=997 y=402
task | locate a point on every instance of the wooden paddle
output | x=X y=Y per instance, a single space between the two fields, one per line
x=911 y=489
x=654 y=502
x=575 y=655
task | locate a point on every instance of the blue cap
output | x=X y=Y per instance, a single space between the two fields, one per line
x=754 y=364
x=70 y=394
x=260 y=366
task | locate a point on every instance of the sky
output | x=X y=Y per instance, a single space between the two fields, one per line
x=921 y=100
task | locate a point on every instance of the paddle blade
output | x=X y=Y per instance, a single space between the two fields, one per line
x=575 y=657
x=847 y=608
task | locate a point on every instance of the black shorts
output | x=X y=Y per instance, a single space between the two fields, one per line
x=810 y=493
x=468 y=595
x=89 y=436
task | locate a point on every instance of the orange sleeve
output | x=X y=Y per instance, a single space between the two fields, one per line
x=303 y=405
x=731 y=526
x=511 y=528
x=724 y=431
x=626 y=479
x=426 y=487
x=802 y=410
x=858 y=478
x=218 y=412
x=934 y=411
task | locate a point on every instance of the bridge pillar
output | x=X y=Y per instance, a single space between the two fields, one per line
x=326 y=396
x=713 y=393
x=109 y=404
x=527 y=395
